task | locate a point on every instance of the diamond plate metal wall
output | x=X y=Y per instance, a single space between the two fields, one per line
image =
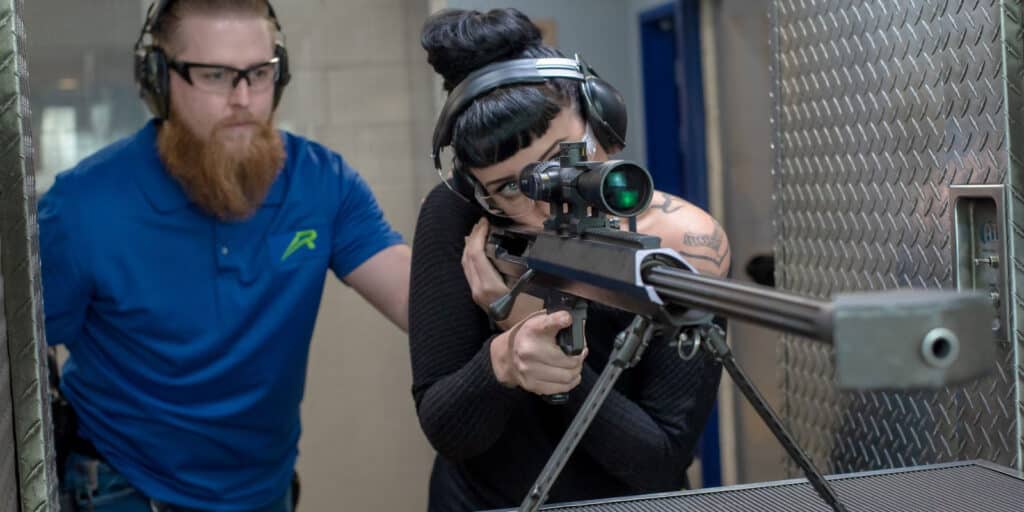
x=8 y=473
x=879 y=106
x=19 y=265
x=1013 y=38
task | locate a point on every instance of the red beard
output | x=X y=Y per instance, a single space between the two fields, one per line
x=227 y=183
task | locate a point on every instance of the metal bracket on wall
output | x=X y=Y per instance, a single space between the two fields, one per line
x=980 y=259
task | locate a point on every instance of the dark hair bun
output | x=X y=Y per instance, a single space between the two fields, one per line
x=459 y=42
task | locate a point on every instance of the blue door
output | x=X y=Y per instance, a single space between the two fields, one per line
x=674 y=123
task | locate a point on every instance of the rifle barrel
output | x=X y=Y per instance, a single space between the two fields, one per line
x=799 y=315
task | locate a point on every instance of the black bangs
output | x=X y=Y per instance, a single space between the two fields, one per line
x=500 y=124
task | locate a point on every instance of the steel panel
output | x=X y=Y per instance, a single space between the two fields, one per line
x=880 y=106
x=36 y=471
x=8 y=471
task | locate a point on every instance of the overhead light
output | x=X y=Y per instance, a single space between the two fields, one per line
x=67 y=84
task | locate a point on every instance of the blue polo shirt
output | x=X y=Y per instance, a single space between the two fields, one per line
x=188 y=336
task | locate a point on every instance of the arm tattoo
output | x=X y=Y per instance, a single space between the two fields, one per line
x=668 y=204
x=712 y=241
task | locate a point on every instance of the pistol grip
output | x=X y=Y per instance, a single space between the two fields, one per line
x=571 y=339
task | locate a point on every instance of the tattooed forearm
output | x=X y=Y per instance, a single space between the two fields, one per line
x=713 y=240
x=668 y=204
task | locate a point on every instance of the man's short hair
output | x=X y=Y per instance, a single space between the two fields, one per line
x=166 y=25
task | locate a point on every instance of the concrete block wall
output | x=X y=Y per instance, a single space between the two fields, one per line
x=362 y=87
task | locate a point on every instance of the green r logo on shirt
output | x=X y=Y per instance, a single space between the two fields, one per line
x=302 y=238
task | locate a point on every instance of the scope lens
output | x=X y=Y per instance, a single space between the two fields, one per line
x=626 y=188
x=618 y=192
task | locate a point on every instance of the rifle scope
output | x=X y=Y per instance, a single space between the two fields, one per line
x=616 y=187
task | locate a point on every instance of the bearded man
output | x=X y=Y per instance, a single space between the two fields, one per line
x=183 y=268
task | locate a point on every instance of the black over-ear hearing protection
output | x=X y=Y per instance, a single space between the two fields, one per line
x=151 y=67
x=603 y=108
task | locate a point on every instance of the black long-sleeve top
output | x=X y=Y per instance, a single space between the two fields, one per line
x=492 y=441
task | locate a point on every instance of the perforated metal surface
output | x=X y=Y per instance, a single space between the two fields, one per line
x=36 y=472
x=879 y=106
x=953 y=488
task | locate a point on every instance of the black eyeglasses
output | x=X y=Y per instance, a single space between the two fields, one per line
x=224 y=79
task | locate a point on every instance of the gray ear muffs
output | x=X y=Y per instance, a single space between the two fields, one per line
x=151 y=75
x=152 y=72
x=283 y=73
x=605 y=112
